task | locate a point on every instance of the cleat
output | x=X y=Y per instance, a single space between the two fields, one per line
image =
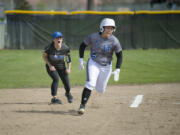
x=56 y=101
x=69 y=97
x=81 y=109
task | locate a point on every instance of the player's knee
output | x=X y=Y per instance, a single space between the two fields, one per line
x=56 y=79
x=89 y=86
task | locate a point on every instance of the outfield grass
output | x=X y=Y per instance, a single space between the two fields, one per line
x=25 y=68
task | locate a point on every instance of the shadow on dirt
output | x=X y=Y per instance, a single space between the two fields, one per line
x=20 y=103
x=69 y=112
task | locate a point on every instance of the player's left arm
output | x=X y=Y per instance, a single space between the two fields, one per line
x=119 y=60
x=118 y=66
x=68 y=60
x=81 y=55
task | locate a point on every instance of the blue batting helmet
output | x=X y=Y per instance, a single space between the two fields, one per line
x=57 y=34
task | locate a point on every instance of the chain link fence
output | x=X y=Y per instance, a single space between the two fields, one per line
x=141 y=29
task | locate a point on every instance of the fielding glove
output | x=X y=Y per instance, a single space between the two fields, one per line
x=81 y=64
x=116 y=74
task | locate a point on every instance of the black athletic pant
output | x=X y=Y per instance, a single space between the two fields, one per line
x=55 y=77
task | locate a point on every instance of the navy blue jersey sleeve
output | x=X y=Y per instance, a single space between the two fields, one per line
x=47 y=49
x=66 y=48
x=67 y=53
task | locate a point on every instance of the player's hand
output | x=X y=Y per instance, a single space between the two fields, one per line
x=52 y=68
x=116 y=74
x=68 y=71
x=81 y=64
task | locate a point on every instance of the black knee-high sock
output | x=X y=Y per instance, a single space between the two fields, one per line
x=85 y=96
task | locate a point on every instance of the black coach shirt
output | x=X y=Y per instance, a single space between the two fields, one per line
x=56 y=57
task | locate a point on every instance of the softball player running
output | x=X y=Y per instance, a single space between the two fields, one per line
x=54 y=55
x=99 y=65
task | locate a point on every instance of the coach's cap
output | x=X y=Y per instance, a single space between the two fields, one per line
x=57 y=34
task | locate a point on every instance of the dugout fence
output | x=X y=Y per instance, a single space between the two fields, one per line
x=141 y=29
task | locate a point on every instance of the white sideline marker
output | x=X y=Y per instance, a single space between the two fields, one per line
x=137 y=101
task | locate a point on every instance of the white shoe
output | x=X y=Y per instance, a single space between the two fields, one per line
x=81 y=109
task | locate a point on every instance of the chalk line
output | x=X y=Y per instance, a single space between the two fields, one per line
x=137 y=101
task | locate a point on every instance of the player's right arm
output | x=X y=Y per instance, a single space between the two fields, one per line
x=81 y=50
x=81 y=55
x=44 y=56
x=83 y=46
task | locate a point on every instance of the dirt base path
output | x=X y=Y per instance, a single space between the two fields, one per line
x=28 y=112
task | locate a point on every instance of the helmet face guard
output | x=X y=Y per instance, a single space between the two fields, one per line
x=107 y=22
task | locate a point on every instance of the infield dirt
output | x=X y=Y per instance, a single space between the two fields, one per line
x=28 y=112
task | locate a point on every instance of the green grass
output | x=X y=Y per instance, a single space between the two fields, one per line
x=25 y=68
x=151 y=66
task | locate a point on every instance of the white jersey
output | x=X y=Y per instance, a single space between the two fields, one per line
x=102 y=49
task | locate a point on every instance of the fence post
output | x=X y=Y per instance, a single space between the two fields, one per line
x=2 y=34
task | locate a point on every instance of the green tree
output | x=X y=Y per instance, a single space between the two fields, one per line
x=22 y=5
x=90 y=4
x=41 y=6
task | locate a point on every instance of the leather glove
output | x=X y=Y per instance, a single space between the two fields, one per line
x=81 y=63
x=116 y=74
